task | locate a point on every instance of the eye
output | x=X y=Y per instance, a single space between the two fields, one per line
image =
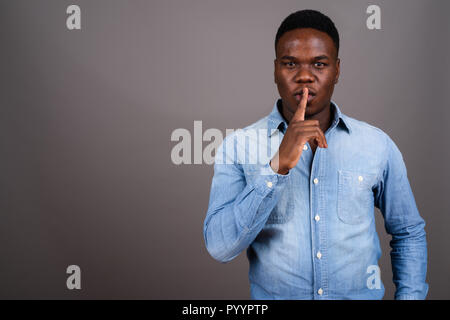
x=289 y=64
x=319 y=64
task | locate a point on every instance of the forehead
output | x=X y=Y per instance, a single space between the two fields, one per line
x=305 y=42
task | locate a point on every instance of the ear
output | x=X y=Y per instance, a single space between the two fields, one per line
x=338 y=70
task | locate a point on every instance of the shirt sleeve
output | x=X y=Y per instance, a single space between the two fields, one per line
x=396 y=201
x=238 y=207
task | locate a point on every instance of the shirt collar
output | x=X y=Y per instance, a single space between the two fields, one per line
x=276 y=120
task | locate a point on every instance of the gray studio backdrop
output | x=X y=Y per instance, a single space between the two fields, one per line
x=86 y=118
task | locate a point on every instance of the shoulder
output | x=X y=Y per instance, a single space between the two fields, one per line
x=379 y=141
x=364 y=130
x=234 y=145
x=370 y=147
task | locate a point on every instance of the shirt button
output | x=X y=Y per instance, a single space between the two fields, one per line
x=360 y=178
x=316 y=181
x=319 y=255
x=317 y=218
x=269 y=184
x=320 y=291
x=305 y=147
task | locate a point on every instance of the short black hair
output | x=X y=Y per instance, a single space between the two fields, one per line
x=309 y=19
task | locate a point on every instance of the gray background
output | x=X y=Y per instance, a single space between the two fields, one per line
x=86 y=118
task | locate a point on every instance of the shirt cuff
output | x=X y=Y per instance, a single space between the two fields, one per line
x=268 y=180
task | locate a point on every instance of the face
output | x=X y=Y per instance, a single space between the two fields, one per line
x=306 y=58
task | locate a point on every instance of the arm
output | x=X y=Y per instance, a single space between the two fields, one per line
x=238 y=209
x=403 y=221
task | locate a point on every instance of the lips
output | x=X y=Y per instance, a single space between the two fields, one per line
x=300 y=91
x=298 y=95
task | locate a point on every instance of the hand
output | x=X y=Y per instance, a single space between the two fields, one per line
x=297 y=134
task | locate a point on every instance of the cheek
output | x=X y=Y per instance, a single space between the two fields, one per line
x=286 y=81
x=328 y=83
x=282 y=83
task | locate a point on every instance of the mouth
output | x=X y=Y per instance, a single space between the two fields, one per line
x=298 y=95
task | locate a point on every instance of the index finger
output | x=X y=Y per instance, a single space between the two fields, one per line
x=299 y=115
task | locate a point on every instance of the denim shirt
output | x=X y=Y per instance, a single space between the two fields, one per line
x=310 y=234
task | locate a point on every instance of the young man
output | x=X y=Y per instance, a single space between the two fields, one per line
x=306 y=216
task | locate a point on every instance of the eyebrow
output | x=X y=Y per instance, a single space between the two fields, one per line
x=321 y=57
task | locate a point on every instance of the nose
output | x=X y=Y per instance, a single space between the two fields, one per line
x=303 y=75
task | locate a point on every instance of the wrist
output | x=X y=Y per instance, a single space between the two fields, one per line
x=275 y=165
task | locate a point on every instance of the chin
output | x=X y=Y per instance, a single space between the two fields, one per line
x=311 y=110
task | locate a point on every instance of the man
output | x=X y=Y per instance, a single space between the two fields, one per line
x=307 y=215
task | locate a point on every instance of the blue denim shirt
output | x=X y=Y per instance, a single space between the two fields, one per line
x=310 y=234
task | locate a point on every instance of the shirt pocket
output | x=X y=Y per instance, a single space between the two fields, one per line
x=355 y=200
